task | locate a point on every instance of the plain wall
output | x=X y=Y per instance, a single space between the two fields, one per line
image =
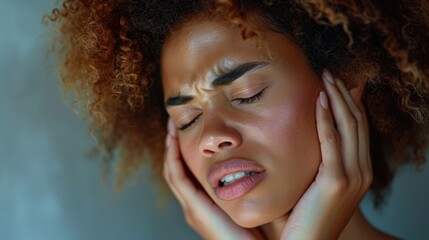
x=49 y=188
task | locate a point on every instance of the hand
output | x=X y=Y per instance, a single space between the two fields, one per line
x=345 y=172
x=201 y=213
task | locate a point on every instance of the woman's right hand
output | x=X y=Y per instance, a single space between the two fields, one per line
x=201 y=213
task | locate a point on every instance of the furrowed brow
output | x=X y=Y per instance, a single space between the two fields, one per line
x=237 y=72
x=222 y=80
x=177 y=100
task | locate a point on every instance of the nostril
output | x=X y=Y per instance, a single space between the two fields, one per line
x=208 y=152
x=225 y=144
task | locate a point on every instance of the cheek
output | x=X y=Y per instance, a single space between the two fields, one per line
x=293 y=125
x=290 y=134
x=292 y=145
x=291 y=116
x=189 y=154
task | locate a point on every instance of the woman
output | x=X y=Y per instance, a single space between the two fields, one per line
x=267 y=100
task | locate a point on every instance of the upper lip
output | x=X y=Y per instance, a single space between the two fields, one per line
x=220 y=169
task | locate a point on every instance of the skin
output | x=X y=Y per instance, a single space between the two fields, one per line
x=293 y=131
x=278 y=131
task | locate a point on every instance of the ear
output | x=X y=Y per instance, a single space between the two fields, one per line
x=357 y=93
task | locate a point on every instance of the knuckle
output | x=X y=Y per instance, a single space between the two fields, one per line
x=367 y=176
x=348 y=122
x=351 y=123
x=367 y=179
x=168 y=179
x=174 y=179
x=357 y=182
x=340 y=186
x=189 y=216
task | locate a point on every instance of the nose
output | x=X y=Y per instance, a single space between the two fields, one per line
x=217 y=137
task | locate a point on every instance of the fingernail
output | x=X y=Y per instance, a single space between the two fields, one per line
x=171 y=128
x=328 y=77
x=323 y=100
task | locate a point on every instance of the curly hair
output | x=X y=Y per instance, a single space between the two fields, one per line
x=109 y=54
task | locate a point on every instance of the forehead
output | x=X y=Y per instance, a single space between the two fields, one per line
x=196 y=47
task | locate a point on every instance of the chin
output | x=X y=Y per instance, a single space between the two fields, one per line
x=252 y=221
x=250 y=216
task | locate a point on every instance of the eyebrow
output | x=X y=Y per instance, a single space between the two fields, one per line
x=221 y=80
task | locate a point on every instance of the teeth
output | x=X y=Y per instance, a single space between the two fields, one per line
x=230 y=178
x=239 y=175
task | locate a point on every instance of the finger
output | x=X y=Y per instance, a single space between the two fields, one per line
x=366 y=128
x=348 y=98
x=174 y=170
x=353 y=100
x=363 y=177
x=172 y=154
x=328 y=138
x=170 y=172
x=366 y=162
x=346 y=126
x=357 y=114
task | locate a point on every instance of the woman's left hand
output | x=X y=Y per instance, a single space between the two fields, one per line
x=345 y=172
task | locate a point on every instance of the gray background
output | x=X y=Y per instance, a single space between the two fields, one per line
x=50 y=190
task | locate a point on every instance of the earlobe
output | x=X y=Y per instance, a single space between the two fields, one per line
x=357 y=93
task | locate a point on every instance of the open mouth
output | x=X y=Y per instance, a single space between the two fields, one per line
x=234 y=178
x=236 y=185
x=230 y=178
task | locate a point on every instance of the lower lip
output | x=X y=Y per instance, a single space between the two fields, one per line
x=239 y=188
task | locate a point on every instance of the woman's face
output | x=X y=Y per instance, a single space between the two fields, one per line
x=245 y=114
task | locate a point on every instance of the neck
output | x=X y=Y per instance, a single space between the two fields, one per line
x=357 y=227
x=273 y=230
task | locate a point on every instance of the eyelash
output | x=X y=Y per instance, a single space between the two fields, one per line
x=249 y=100
x=187 y=125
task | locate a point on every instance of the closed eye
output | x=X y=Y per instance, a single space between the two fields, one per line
x=252 y=99
x=187 y=125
